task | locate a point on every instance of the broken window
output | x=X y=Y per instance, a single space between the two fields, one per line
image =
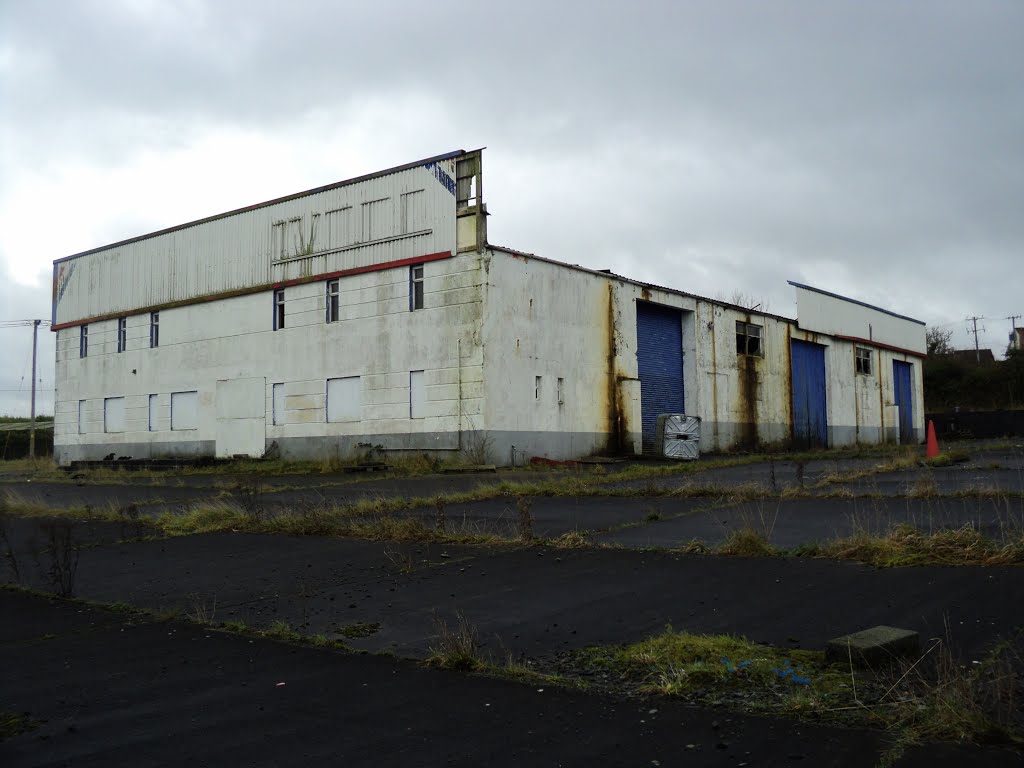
x=333 y=300
x=83 y=341
x=864 y=361
x=154 y=330
x=466 y=182
x=279 y=309
x=748 y=339
x=416 y=287
x=122 y=334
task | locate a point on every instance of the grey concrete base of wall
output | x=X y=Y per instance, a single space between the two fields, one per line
x=502 y=447
x=183 y=449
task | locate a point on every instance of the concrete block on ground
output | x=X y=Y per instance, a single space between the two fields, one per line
x=870 y=647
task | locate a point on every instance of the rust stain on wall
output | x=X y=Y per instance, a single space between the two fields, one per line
x=747 y=392
x=881 y=401
x=615 y=410
x=789 y=382
x=714 y=376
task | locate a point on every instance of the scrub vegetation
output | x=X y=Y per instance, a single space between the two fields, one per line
x=14 y=724
x=932 y=697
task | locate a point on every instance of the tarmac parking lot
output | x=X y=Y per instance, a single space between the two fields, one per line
x=607 y=558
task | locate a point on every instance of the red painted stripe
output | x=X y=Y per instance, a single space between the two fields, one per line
x=362 y=270
x=260 y=288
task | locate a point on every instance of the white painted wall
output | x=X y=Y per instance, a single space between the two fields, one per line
x=835 y=315
x=377 y=339
x=546 y=319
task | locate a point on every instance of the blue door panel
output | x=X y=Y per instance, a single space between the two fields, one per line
x=901 y=378
x=810 y=409
x=659 y=355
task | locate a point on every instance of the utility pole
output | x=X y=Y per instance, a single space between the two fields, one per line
x=1013 y=328
x=32 y=422
x=977 y=352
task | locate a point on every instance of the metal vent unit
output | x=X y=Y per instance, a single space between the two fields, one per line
x=677 y=436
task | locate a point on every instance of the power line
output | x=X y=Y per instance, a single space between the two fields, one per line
x=977 y=350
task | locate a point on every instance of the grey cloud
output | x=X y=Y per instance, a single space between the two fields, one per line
x=21 y=302
x=876 y=140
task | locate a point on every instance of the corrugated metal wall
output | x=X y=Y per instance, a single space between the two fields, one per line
x=659 y=355
x=401 y=215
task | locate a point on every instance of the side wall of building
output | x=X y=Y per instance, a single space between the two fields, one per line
x=375 y=338
x=561 y=369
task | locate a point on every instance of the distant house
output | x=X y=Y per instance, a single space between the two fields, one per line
x=973 y=356
x=1016 y=340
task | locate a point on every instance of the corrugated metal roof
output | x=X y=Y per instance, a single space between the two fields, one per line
x=275 y=201
x=609 y=273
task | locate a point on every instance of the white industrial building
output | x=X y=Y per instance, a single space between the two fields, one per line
x=373 y=312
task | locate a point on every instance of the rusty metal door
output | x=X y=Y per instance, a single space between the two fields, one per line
x=659 y=357
x=904 y=398
x=810 y=405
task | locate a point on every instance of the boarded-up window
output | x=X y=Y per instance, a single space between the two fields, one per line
x=152 y=413
x=113 y=414
x=417 y=395
x=81 y=417
x=376 y=219
x=339 y=228
x=185 y=410
x=344 y=399
x=413 y=212
x=278 y=404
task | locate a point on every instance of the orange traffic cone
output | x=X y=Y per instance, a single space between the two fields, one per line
x=933 y=443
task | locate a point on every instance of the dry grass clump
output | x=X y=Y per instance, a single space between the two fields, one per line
x=932 y=697
x=905 y=545
x=572 y=540
x=746 y=542
x=456 y=647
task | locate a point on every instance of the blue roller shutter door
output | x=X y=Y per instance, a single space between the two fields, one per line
x=901 y=378
x=810 y=413
x=659 y=355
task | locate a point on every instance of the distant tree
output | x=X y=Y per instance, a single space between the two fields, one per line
x=938 y=341
x=744 y=300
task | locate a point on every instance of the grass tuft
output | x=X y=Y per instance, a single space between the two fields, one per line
x=746 y=542
x=456 y=646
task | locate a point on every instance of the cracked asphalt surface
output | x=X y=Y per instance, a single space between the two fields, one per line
x=106 y=688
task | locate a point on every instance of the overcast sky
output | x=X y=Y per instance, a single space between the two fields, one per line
x=874 y=149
